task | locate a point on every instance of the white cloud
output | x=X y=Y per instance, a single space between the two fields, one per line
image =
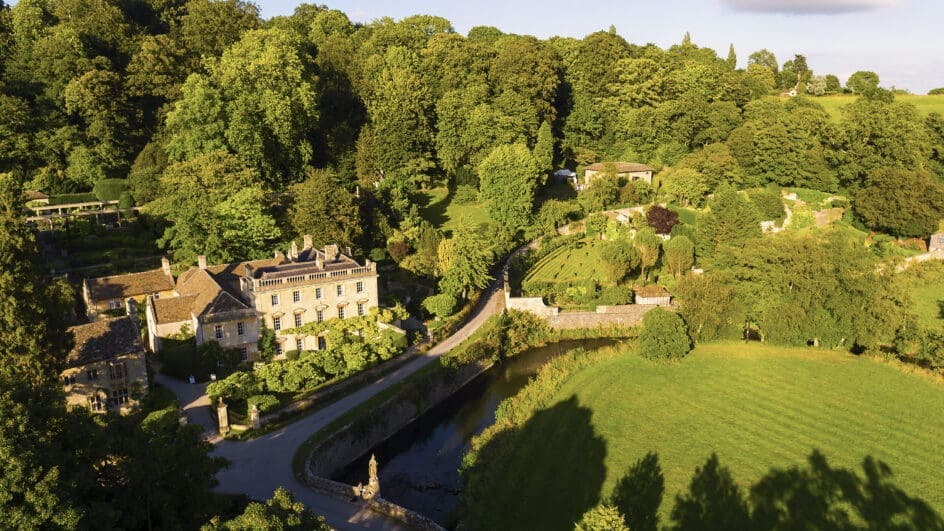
x=808 y=7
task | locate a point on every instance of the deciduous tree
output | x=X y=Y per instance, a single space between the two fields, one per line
x=508 y=178
x=663 y=335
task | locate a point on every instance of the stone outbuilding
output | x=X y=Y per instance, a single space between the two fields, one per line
x=106 y=370
x=630 y=171
x=656 y=295
x=109 y=293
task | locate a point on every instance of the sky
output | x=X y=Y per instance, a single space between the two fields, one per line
x=901 y=40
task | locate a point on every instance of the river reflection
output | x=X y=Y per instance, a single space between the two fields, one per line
x=419 y=464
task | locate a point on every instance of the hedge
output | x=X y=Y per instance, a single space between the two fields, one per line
x=110 y=189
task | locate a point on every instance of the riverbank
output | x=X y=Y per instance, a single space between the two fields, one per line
x=374 y=421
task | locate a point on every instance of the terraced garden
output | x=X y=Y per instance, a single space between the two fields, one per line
x=566 y=265
x=756 y=406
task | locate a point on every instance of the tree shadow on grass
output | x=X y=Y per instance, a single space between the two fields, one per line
x=638 y=494
x=940 y=309
x=434 y=213
x=543 y=475
x=814 y=496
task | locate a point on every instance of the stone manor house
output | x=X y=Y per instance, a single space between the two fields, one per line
x=229 y=303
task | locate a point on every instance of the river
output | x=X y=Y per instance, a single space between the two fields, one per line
x=419 y=464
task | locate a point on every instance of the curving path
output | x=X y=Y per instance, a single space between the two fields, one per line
x=260 y=465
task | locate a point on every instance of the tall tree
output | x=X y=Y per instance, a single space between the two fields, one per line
x=210 y=26
x=679 y=255
x=464 y=260
x=732 y=59
x=648 y=245
x=217 y=208
x=258 y=101
x=901 y=202
x=322 y=208
x=508 y=179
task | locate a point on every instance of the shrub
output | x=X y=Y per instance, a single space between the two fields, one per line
x=237 y=386
x=441 y=305
x=110 y=189
x=603 y=517
x=125 y=201
x=661 y=219
x=769 y=204
x=663 y=336
x=465 y=194
x=263 y=403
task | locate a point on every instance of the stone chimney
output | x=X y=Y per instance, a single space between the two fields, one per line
x=165 y=265
x=131 y=308
x=249 y=271
x=202 y=261
x=307 y=242
x=331 y=253
x=293 y=252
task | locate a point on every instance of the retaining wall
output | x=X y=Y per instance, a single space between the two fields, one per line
x=630 y=315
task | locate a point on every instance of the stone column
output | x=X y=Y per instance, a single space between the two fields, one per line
x=254 y=417
x=223 y=417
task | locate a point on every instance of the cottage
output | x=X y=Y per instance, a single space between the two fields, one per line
x=228 y=303
x=106 y=371
x=656 y=295
x=629 y=171
x=109 y=293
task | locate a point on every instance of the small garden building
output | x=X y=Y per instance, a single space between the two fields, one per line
x=656 y=295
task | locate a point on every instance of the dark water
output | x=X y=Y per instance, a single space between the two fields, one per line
x=419 y=464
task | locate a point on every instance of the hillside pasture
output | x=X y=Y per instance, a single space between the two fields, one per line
x=925 y=104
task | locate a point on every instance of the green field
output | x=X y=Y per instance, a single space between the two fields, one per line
x=440 y=210
x=567 y=265
x=925 y=104
x=756 y=406
x=926 y=287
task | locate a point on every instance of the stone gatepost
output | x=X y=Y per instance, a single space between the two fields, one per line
x=254 y=417
x=223 y=417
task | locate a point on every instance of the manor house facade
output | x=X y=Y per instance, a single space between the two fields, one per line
x=229 y=303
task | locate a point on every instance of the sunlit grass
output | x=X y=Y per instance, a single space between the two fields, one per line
x=756 y=406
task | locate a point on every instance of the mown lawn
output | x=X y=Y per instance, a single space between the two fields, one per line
x=756 y=406
x=925 y=104
x=440 y=210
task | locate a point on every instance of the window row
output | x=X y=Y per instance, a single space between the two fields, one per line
x=319 y=317
x=90 y=374
x=276 y=298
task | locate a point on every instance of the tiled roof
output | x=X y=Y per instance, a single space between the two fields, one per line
x=620 y=167
x=173 y=309
x=130 y=285
x=650 y=292
x=104 y=339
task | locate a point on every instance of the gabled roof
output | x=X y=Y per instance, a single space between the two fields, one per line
x=650 y=292
x=620 y=167
x=104 y=339
x=200 y=295
x=172 y=309
x=129 y=285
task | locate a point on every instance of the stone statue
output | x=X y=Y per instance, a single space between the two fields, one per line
x=372 y=470
x=372 y=489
